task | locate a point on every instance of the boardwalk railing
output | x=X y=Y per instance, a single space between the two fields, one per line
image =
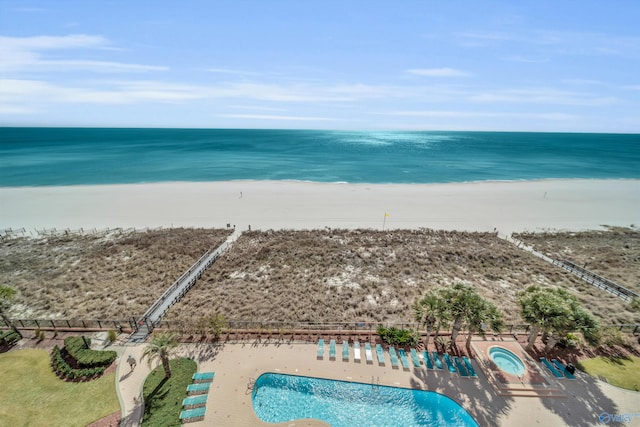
x=104 y=324
x=597 y=281
x=584 y=274
x=198 y=267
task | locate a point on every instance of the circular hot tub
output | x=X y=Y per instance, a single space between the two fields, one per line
x=506 y=361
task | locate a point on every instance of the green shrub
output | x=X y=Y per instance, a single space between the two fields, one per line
x=112 y=336
x=398 y=337
x=571 y=340
x=9 y=338
x=64 y=370
x=612 y=336
x=85 y=357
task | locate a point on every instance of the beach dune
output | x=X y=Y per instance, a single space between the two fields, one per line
x=479 y=206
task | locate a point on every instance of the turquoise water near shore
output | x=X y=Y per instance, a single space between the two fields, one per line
x=87 y=156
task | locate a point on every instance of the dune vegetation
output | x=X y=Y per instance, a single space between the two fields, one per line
x=100 y=276
x=614 y=253
x=293 y=276
x=372 y=276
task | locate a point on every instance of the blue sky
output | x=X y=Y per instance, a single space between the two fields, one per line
x=416 y=65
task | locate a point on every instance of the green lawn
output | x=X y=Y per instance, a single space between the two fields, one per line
x=31 y=394
x=163 y=398
x=621 y=372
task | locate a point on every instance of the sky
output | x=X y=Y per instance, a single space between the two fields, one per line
x=512 y=65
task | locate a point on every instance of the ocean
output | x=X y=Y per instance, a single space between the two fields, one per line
x=87 y=156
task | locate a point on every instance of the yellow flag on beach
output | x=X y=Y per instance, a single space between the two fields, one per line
x=386 y=215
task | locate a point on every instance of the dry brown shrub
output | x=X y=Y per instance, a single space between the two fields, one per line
x=91 y=276
x=614 y=253
x=332 y=276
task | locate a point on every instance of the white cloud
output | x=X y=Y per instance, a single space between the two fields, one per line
x=483 y=114
x=526 y=60
x=37 y=43
x=231 y=72
x=27 y=54
x=542 y=96
x=438 y=72
x=275 y=117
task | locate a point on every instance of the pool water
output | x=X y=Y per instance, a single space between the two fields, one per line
x=506 y=361
x=280 y=398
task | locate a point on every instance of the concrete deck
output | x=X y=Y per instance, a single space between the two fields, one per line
x=237 y=365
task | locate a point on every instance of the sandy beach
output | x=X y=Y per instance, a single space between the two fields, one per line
x=481 y=206
x=504 y=206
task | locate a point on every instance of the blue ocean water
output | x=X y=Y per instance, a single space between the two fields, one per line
x=70 y=156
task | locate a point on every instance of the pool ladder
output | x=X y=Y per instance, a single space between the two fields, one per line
x=375 y=383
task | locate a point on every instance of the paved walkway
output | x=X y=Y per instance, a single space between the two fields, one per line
x=129 y=385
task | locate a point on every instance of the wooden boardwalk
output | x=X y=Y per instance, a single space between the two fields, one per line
x=584 y=274
x=155 y=313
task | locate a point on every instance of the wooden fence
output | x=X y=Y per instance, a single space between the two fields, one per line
x=302 y=327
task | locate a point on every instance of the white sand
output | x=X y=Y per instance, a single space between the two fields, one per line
x=507 y=206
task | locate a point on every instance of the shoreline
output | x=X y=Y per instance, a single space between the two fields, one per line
x=504 y=206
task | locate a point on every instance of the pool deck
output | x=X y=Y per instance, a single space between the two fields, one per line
x=534 y=381
x=237 y=365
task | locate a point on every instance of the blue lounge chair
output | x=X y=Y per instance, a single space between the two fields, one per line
x=462 y=370
x=345 y=351
x=320 y=348
x=191 y=414
x=414 y=358
x=199 y=388
x=436 y=359
x=380 y=354
x=403 y=359
x=551 y=368
x=467 y=362
x=450 y=366
x=394 y=357
x=332 y=350
x=194 y=401
x=203 y=377
x=563 y=369
x=427 y=360
x=368 y=354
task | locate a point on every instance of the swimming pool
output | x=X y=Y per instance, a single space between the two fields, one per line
x=506 y=360
x=281 y=398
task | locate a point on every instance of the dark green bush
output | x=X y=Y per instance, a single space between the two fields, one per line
x=9 y=338
x=64 y=370
x=398 y=337
x=86 y=357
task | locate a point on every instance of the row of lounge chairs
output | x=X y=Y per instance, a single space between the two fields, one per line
x=460 y=365
x=194 y=405
x=368 y=352
x=557 y=369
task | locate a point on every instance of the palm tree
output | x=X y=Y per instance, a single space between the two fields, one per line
x=482 y=312
x=6 y=294
x=160 y=346
x=556 y=312
x=458 y=300
x=543 y=309
x=425 y=312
